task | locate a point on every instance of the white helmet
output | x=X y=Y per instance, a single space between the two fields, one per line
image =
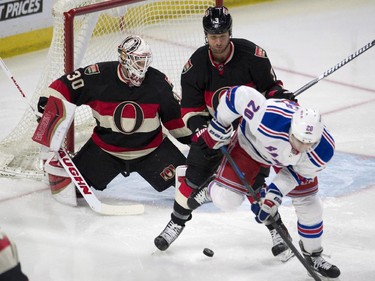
x=307 y=126
x=135 y=57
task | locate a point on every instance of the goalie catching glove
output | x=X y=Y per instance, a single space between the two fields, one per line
x=270 y=200
x=217 y=135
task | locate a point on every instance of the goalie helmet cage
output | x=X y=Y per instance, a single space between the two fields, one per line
x=89 y=31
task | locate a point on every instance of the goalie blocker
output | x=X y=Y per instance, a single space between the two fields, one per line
x=54 y=124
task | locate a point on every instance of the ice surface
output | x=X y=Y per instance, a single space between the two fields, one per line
x=303 y=39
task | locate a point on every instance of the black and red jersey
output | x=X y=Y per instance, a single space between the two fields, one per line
x=128 y=119
x=203 y=81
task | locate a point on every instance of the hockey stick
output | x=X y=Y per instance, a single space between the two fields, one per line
x=271 y=219
x=10 y=76
x=76 y=176
x=88 y=194
x=334 y=68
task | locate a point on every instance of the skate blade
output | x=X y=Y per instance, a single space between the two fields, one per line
x=323 y=278
x=286 y=255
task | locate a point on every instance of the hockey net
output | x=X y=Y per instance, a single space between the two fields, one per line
x=172 y=28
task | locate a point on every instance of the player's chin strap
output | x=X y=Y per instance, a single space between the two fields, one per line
x=271 y=219
x=334 y=68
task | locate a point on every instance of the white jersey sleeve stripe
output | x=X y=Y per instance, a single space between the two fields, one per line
x=280 y=111
x=273 y=134
x=315 y=159
x=329 y=138
x=324 y=151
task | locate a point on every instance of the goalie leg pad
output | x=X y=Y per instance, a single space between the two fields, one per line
x=62 y=188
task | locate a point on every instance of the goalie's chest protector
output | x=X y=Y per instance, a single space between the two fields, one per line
x=126 y=117
x=126 y=109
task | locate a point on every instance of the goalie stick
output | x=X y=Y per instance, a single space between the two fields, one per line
x=87 y=193
x=334 y=68
x=66 y=161
x=10 y=76
x=272 y=220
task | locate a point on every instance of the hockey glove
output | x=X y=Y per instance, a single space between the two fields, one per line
x=271 y=199
x=256 y=205
x=42 y=104
x=199 y=146
x=281 y=94
x=217 y=135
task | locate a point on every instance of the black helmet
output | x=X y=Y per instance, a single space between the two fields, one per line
x=217 y=20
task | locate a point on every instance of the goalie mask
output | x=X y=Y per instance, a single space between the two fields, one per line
x=306 y=129
x=217 y=20
x=135 y=57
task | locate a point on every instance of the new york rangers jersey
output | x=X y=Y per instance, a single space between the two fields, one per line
x=264 y=134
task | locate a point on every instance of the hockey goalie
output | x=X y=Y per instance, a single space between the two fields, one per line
x=136 y=114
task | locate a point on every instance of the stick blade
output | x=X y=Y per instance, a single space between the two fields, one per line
x=119 y=210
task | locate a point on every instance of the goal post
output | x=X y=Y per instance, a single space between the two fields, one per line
x=89 y=31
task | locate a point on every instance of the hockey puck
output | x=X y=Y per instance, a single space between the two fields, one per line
x=208 y=252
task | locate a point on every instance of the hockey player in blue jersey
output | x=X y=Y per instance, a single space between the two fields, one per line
x=278 y=133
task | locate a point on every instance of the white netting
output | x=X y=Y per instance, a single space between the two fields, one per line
x=172 y=28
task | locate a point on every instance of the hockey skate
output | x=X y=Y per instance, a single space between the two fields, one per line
x=168 y=235
x=198 y=197
x=280 y=249
x=319 y=264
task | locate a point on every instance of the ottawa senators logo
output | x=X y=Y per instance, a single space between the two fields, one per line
x=92 y=69
x=259 y=52
x=168 y=172
x=187 y=67
x=125 y=110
